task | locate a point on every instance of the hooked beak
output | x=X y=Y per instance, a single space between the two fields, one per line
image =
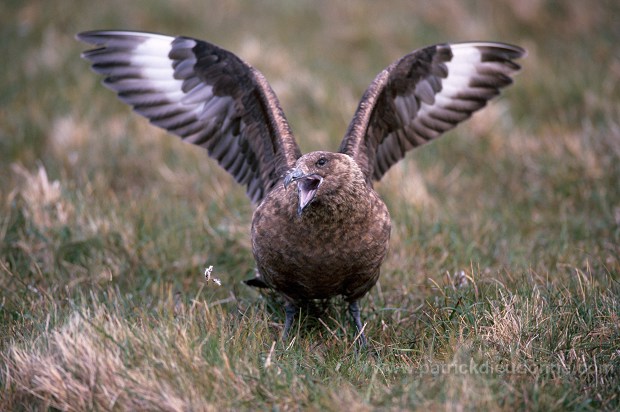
x=292 y=176
x=307 y=185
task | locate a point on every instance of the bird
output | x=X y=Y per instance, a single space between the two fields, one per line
x=319 y=229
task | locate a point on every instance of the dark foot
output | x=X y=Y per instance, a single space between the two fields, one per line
x=290 y=310
x=354 y=310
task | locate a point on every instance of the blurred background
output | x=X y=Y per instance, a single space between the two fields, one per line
x=99 y=209
x=542 y=157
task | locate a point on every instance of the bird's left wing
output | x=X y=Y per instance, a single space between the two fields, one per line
x=203 y=94
x=422 y=95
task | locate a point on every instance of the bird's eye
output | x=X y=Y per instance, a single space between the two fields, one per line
x=321 y=162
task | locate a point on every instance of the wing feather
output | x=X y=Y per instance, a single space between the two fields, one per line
x=421 y=96
x=203 y=94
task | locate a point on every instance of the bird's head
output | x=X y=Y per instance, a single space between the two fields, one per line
x=319 y=174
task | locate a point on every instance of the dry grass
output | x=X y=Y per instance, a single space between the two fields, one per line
x=501 y=288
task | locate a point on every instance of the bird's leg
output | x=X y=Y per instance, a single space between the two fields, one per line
x=354 y=310
x=290 y=310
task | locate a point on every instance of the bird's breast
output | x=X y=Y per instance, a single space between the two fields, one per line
x=319 y=255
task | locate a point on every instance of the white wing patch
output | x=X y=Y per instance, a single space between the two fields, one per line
x=461 y=69
x=144 y=76
x=158 y=74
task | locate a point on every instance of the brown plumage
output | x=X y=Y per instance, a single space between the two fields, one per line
x=319 y=229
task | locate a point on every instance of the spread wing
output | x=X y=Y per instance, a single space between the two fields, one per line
x=203 y=94
x=421 y=96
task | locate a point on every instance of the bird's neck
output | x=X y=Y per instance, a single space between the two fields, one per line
x=347 y=203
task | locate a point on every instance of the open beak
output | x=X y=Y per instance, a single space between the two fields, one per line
x=292 y=176
x=307 y=185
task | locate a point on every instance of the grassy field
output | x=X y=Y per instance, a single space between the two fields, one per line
x=501 y=290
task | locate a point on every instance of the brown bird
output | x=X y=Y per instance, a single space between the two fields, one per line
x=330 y=236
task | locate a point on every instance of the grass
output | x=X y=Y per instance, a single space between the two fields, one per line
x=501 y=287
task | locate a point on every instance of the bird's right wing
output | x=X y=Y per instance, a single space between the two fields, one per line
x=422 y=95
x=203 y=94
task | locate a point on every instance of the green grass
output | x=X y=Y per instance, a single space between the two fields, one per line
x=501 y=289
